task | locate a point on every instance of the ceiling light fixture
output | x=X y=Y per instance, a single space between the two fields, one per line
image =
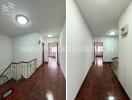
x=112 y=33
x=22 y=19
x=50 y=35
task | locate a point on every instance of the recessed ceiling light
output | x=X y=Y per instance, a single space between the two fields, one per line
x=112 y=33
x=22 y=19
x=50 y=35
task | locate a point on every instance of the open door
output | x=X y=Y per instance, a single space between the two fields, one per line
x=98 y=53
x=98 y=49
x=53 y=51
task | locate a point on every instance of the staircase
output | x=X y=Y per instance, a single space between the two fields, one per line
x=14 y=73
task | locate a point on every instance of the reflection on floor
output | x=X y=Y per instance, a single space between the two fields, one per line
x=101 y=84
x=52 y=63
x=47 y=83
x=99 y=61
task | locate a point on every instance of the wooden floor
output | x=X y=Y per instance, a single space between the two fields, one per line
x=101 y=84
x=47 y=83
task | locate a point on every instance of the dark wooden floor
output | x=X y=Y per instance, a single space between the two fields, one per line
x=101 y=84
x=47 y=83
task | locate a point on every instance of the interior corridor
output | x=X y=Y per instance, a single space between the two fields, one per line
x=99 y=28
x=101 y=84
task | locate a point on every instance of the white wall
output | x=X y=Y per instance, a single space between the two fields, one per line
x=46 y=41
x=125 y=52
x=5 y=52
x=40 y=52
x=20 y=48
x=62 y=53
x=78 y=36
x=110 y=47
x=25 y=47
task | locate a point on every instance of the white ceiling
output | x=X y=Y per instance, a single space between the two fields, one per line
x=46 y=16
x=102 y=15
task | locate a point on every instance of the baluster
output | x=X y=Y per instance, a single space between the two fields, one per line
x=0 y=81
x=30 y=69
x=22 y=69
x=4 y=81
x=19 y=71
x=13 y=72
x=27 y=70
x=14 y=75
x=18 y=65
x=10 y=73
x=16 y=71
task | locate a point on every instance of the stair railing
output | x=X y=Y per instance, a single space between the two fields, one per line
x=18 y=70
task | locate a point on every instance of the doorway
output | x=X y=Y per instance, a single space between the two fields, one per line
x=42 y=52
x=98 y=51
x=53 y=51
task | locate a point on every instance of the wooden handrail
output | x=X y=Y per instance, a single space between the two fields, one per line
x=23 y=62
x=6 y=70
x=4 y=76
x=16 y=63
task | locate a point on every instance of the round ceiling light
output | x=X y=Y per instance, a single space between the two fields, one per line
x=50 y=35
x=22 y=19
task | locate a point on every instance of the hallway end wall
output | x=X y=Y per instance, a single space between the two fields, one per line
x=46 y=42
x=25 y=47
x=110 y=47
x=78 y=37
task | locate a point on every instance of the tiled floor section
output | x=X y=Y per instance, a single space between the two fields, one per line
x=101 y=84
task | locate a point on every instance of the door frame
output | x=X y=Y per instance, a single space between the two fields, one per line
x=42 y=52
x=57 y=50
x=94 y=50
